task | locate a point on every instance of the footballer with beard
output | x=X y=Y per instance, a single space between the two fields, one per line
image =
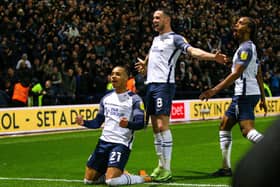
x=159 y=66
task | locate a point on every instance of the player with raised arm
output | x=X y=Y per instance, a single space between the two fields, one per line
x=247 y=76
x=159 y=65
x=122 y=112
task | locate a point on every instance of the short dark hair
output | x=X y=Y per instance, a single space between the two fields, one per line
x=124 y=67
x=165 y=11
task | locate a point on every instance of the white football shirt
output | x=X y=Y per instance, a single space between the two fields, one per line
x=114 y=106
x=246 y=55
x=163 y=55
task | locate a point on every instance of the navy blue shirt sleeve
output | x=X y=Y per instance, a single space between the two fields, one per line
x=137 y=123
x=98 y=120
x=181 y=43
x=95 y=123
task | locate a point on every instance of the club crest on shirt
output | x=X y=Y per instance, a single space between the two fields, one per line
x=244 y=55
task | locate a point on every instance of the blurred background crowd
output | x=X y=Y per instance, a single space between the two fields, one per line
x=62 y=51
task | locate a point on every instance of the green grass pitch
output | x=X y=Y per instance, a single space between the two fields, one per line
x=59 y=159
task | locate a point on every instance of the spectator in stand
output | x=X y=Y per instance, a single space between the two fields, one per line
x=23 y=60
x=100 y=49
x=195 y=86
x=69 y=86
x=206 y=80
x=56 y=78
x=20 y=94
x=49 y=96
x=275 y=82
x=50 y=52
x=35 y=94
x=100 y=83
x=8 y=88
x=23 y=73
x=267 y=90
x=4 y=99
x=83 y=80
x=47 y=69
x=130 y=85
x=11 y=75
x=109 y=85
x=37 y=69
x=38 y=29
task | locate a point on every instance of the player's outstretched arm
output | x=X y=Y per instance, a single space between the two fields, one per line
x=224 y=84
x=203 y=55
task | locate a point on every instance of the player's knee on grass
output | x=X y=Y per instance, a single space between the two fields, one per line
x=86 y=181
x=244 y=132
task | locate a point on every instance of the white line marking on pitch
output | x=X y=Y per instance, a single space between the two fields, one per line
x=39 y=179
x=81 y=181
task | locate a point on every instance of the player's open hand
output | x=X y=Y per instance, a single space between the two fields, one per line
x=207 y=94
x=263 y=106
x=123 y=122
x=79 y=120
x=221 y=58
x=140 y=66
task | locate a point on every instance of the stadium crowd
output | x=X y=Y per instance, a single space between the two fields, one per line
x=63 y=51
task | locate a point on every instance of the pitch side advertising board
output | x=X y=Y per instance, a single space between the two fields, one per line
x=179 y=111
x=186 y=110
x=215 y=108
x=54 y=118
x=40 y=119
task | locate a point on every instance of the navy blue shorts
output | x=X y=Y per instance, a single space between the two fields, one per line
x=108 y=155
x=242 y=107
x=159 y=98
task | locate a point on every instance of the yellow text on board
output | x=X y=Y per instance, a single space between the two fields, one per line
x=44 y=118
x=216 y=108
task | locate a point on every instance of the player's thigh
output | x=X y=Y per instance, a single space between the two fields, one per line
x=100 y=156
x=118 y=158
x=246 y=107
x=230 y=117
x=149 y=100
x=232 y=110
x=242 y=107
x=159 y=98
x=241 y=110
